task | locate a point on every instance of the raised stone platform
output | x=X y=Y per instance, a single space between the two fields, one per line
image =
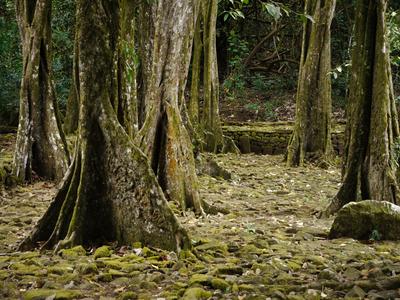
x=272 y=137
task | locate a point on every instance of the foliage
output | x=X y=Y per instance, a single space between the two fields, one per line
x=63 y=20
x=394 y=40
x=10 y=62
x=235 y=83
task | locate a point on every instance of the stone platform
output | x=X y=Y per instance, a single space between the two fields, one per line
x=272 y=137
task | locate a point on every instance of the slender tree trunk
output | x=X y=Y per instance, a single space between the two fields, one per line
x=205 y=119
x=210 y=114
x=311 y=138
x=41 y=146
x=127 y=108
x=72 y=114
x=110 y=192
x=372 y=126
x=168 y=27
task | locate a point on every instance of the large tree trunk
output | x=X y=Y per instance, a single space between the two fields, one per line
x=110 y=192
x=41 y=146
x=167 y=28
x=311 y=138
x=372 y=127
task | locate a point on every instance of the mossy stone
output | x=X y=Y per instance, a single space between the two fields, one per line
x=53 y=294
x=87 y=268
x=73 y=252
x=195 y=293
x=230 y=270
x=105 y=277
x=201 y=279
x=220 y=284
x=103 y=251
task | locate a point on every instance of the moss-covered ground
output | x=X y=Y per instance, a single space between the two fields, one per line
x=270 y=246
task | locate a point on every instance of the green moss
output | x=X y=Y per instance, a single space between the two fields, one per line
x=53 y=294
x=103 y=251
x=187 y=254
x=87 y=268
x=201 y=279
x=22 y=269
x=229 y=270
x=137 y=245
x=196 y=293
x=220 y=284
x=60 y=269
x=117 y=264
x=73 y=252
x=105 y=277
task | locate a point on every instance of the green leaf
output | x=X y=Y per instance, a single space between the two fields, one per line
x=274 y=11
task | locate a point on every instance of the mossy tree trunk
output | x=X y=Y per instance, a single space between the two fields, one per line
x=40 y=146
x=372 y=126
x=110 y=192
x=311 y=138
x=166 y=28
x=206 y=119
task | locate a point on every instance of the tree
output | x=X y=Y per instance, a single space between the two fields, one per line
x=207 y=120
x=72 y=114
x=40 y=146
x=311 y=136
x=165 y=45
x=372 y=131
x=110 y=192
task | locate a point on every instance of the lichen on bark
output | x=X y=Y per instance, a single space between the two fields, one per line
x=167 y=28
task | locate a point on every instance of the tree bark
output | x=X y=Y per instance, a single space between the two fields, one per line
x=372 y=127
x=110 y=192
x=167 y=28
x=311 y=138
x=40 y=146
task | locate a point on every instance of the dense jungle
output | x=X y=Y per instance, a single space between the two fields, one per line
x=199 y=149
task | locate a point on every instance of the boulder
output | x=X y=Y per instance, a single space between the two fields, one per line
x=368 y=219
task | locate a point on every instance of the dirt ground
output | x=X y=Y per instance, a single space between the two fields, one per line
x=269 y=246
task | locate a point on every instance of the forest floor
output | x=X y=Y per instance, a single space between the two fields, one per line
x=269 y=246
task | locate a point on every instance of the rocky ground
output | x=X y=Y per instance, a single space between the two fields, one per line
x=269 y=246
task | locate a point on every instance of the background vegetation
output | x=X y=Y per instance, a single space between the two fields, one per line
x=257 y=86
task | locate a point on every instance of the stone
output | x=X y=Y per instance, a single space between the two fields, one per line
x=219 y=284
x=367 y=219
x=103 y=251
x=196 y=293
x=201 y=279
x=356 y=292
x=128 y=296
x=42 y=294
x=230 y=270
x=73 y=252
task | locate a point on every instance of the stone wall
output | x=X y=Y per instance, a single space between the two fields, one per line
x=272 y=138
